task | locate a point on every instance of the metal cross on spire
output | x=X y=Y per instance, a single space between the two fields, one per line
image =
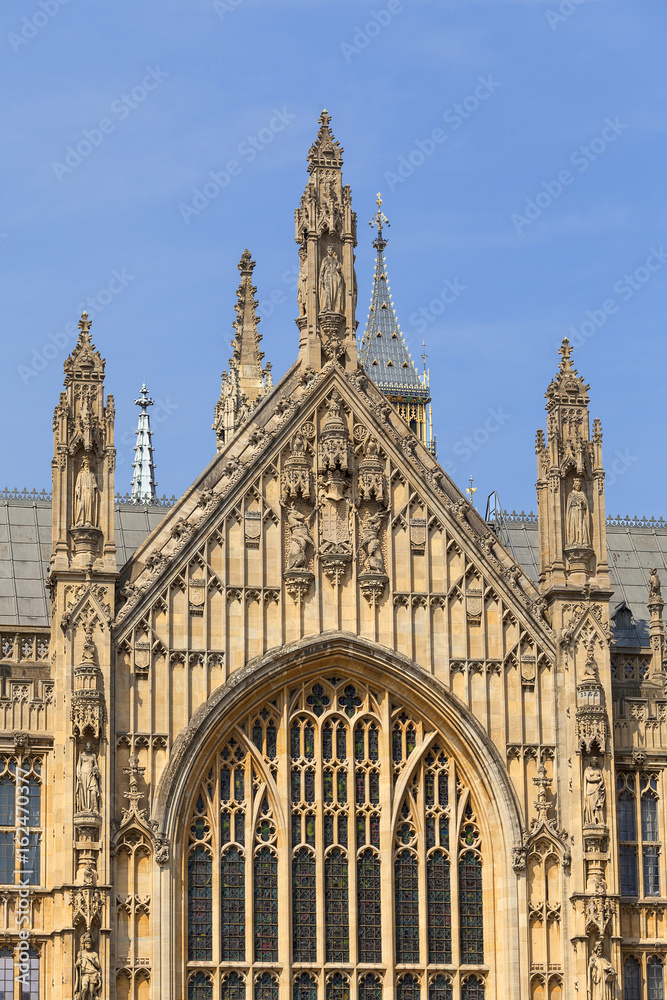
x=378 y=220
x=471 y=490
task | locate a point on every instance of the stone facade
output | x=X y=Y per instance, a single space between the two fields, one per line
x=321 y=735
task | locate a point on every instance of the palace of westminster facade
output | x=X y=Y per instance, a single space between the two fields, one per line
x=315 y=731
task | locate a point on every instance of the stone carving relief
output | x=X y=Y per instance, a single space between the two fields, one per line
x=595 y=795
x=88 y=971
x=88 y=782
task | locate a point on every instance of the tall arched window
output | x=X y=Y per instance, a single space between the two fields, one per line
x=333 y=827
x=632 y=979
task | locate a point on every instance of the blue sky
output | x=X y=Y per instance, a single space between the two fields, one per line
x=541 y=200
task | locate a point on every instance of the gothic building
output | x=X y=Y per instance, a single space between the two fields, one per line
x=317 y=730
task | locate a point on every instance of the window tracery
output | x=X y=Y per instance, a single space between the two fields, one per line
x=638 y=833
x=356 y=808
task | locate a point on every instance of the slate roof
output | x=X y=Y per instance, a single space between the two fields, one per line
x=25 y=550
x=383 y=351
x=633 y=546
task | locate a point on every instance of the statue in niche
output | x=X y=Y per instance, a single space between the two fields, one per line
x=86 y=496
x=88 y=971
x=297 y=557
x=88 y=782
x=595 y=795
x=302 y=282
x=601 y=973
x=577 y=530
x=331 y=283
x=373 y=560
x=654 y=583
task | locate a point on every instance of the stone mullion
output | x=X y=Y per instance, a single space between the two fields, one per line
x=387 y=850
x=352 y=850
x=249 y=852
x=224 y=531
x=216 y=883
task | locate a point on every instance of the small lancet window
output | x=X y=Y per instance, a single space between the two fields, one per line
x=394 y=336
x=384 y=306
x=390 y=364
x=405 y=365
x=378 y=334
x=373 y=362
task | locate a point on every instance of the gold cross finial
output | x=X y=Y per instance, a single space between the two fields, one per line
x=471 y=490
x=424 y=355
x=379 y=219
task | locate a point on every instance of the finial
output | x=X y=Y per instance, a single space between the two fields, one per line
x=565 y=350
x=246 y=264
x=471 y=490
x=424 y=355
x=379 y=219
x=84 y=323
x=324 y=118
x=143 y=400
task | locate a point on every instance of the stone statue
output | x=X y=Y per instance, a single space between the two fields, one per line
x=577 y=530
x=594 y=795
x=88 y=782
x=88 y=971
x=654 y=583
x=302 y=282
x=370 y=543
x=297 y=556
x=331 y=284
x=86 y=495
x=601 y=973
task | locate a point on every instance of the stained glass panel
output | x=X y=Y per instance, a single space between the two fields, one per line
x=266 y=906
x=439 y=901
x=200 y=905
x=470 y=909
x=370 y=987
x=406 y=889
x=200 y=987
x=232 y=906
x=473 y=989
x=369 y=915
x=266 y=987
x=408 y=988
x=305 y=987
x=233 y=987
x=440 y=988
x=304 y=915
x=338 y=987
x=336 y=906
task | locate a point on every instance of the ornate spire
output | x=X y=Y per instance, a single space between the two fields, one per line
x=326 y=231
x=143 y=479
x=246 y=382
x=384 y=353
